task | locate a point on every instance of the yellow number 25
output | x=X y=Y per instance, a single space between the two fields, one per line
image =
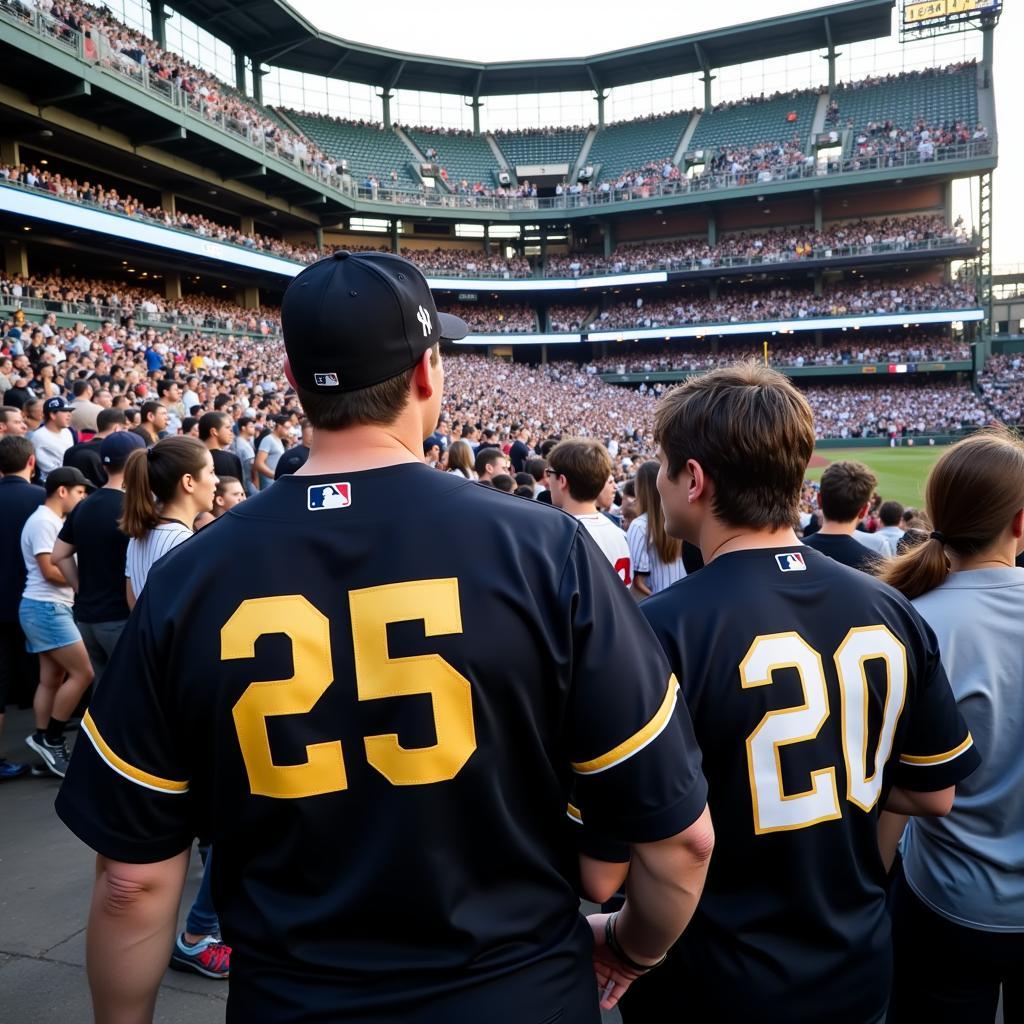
x=436 y=603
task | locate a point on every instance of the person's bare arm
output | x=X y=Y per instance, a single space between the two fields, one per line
x=260 y=466
x=132 y=923
x=639 y=588
x=662 y=889
x=600 y=879
x=49 y=570
x=890 y=828
x=63 y=556
x=936 y=804
x=129 y=594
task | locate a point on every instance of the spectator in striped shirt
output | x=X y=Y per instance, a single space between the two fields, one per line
x=657 y=557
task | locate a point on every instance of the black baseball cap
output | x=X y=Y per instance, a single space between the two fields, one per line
x=352 y=320
x=57 y=404
x=67 y=476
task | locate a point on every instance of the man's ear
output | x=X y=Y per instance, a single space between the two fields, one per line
x=421 y=375
x=698 y=483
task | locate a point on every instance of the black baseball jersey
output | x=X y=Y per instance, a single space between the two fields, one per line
x=379 y=724
x=813 y=689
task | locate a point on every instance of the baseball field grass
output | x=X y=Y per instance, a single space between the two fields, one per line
x=901 y=472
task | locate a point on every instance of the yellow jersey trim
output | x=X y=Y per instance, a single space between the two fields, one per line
x=574 y=813
x=627 y=748
x=949 y=755
x=123 y=768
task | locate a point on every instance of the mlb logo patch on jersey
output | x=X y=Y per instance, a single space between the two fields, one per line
x=320 y=496
x=326 y=380
x=791 y=562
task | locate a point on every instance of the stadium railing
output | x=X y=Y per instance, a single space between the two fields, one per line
x=69 y=40
x=143 y=318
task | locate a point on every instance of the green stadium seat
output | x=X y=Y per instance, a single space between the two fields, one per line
x=368 y=150
x=631 y=144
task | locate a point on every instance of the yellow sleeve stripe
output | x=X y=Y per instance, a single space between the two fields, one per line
x=949 y=755
x=123 y=768
x=627 y=748
x=574 y=813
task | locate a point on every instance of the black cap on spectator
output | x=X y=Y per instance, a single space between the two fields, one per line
x=352 y=320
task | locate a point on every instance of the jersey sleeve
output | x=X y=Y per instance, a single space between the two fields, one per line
x=636 y=538
x=635 y=760
x=126 y=793
x=937 y=750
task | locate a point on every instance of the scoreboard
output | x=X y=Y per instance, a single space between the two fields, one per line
x=938 y=17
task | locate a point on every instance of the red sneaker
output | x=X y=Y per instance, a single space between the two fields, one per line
x=209 y=957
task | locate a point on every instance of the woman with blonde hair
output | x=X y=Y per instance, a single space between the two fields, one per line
x=958 y=903
x=657 y=558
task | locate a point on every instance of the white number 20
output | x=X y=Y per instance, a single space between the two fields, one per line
x=774 y=809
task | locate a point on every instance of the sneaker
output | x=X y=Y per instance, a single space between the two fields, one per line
x=55 y=756
x=209 y=957
x=11 y=770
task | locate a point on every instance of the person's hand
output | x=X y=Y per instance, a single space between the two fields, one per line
x=613 y=976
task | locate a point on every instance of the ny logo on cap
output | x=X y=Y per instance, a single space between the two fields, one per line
x=424 y=318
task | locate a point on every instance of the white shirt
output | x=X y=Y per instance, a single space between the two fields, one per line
x=877 y=543
x=37 y=538
x=612 y=542
x=143 y=554
x=50 y=447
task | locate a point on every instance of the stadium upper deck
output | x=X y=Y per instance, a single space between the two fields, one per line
x=97 y=68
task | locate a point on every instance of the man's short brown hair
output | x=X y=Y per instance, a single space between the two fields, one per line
x=585 y=464
x=378 y=404
x=846 y=487
x=751 y=432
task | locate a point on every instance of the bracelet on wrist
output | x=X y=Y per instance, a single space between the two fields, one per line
x=613 y=944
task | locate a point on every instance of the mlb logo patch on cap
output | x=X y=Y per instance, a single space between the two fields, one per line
x=326 y=380
x=320 y=496
x=791 y=562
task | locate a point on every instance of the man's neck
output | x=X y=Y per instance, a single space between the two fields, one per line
x=22 y=474
x=832 y=528
x=718 y=539
x=360 y=448
x=578 y=508
x=115 y=481
x=53 y=426
x=54 y=505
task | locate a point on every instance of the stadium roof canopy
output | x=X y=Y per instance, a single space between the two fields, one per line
x=272 y=32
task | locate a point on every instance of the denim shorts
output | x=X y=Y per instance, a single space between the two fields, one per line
x=47 y=625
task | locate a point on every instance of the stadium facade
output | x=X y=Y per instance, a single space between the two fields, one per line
x=604 y=241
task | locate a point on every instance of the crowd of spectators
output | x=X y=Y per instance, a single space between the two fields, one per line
x=467 y=263
x=1002 y=387
x=508 y=318
x=110 y=199
x=772 y=245
x=123 y=49
x=117 y=301
x=568 y=318
x=863 y=298
x=125 y=364
x=894 y=410
x=686 y=354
